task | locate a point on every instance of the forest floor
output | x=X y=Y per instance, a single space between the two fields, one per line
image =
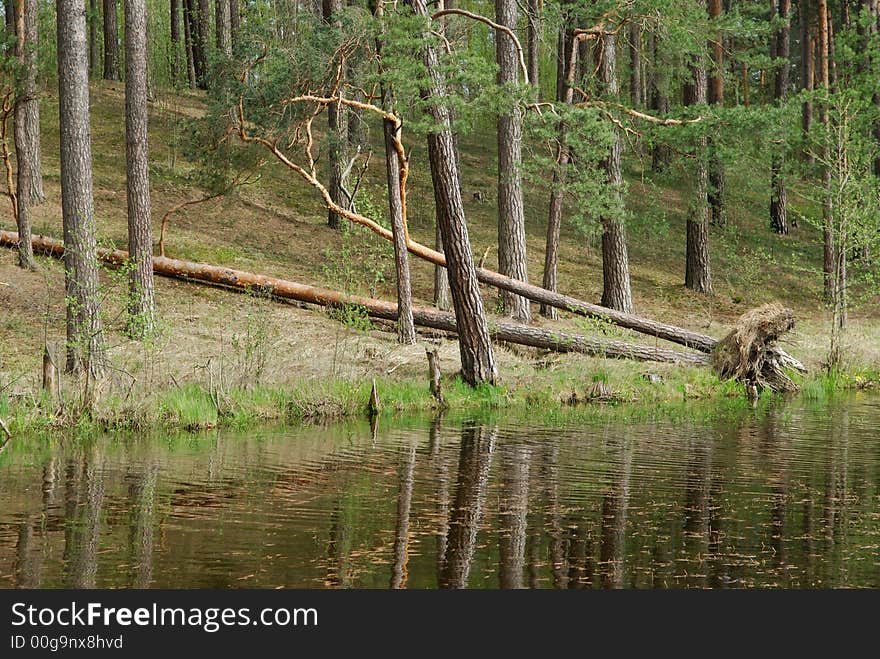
x=218 y=355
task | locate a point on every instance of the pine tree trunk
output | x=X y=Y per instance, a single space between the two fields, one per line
x=477 y=356
x=176 y=59
x=442 y=295
x=827 y=208
x=27 y=106
x=111 y=41
x=533 y=31
x=661 y=154
x=565 y=62
x=188 y=22
x=778 y=197
x=234 y=22
x=807 y=70
x=635 y=65
x=9 y=16
x=223 y=27
x=717 y=177
x=94 y=18
x=338 y=133
x=698 y=273
x=85 y=344
x=140 y=228
x=616 y=292
x=202 y=41
x=511 y=213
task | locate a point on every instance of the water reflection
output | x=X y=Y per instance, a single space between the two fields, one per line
x=785 y=496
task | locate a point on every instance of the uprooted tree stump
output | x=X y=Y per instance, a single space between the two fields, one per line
x=749 y=354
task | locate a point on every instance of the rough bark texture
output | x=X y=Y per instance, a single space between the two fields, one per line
x=94 y=19
x=423 y=317
x=177 y=59
x=477 y=356
x=188 y=38
x=140 y=228
x=635 y=65
x=338 y=134
x=406 y=332
x=661 y=154
x=697 y=273
x=807 y=68
x=616 y=293
x=85 y=345
x=201 y=39
x=111 y=41
x=511 y=213
x=565 y=62
x=827 y=208
x=223 y=27
x=780 y=50
x=442 y=296
x=234 y=22
x=533 y=32
x=717 y=177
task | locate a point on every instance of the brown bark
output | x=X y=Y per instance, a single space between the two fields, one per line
x=566 y=62
x=616 y=293
x=778 y=197
x=29 y=181
x=189 y=44
x=807 y=69
x=533 y=32
x=661 y=154
x=698 y=273
x=424 y=317
x=85 y=345
x=234 y=22
x=338 y=133
x=223 y=27
x=434 y=380
x=827 y=209
x=635 y=65
x=717 y=176
x=94 y=18
x=140 y=227
x=511 y=212
x=177 y=59
x=477 y=356
x=200 y=13
x=111 y=41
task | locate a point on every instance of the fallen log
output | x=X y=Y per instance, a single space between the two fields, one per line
x=423 y=317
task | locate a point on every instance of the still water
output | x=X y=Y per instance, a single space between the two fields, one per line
x=785 y=496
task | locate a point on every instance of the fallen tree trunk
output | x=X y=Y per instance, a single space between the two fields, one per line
x=424 y=317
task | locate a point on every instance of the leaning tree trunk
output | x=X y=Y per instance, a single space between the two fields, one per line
x=698 y=273
x=223 y=27
x=338 y=133
x=85 y=344
x=140 y=230
x=511 y=213
x=111 y=41
x=566 y=61
x=475 y=345
x=717 y=176
x=616 y=293
x=780 y=50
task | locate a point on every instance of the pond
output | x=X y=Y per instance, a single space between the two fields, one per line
x=781 y=496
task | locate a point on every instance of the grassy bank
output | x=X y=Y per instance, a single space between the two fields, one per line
x=222 y=359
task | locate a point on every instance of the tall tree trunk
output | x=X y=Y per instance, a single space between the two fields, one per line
x=635 y=65
x=9 y=16
x=827 y=208
x=202 y=40
x=778 y=198
x=717 y=177
x=29 y=182
x=533 y=32
x=698 y=275
x=511 y=213
x=188 y=40
x=111 y=41
x=338 y=132
x=223 y=26
x=94 y=18
x=85 y=344
x=140 y=226
x=176 y=55
x=234 y=22
x=661 y=154
x=566 y=62
x=807 y=73
x=616 y=292
x=477 y=356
